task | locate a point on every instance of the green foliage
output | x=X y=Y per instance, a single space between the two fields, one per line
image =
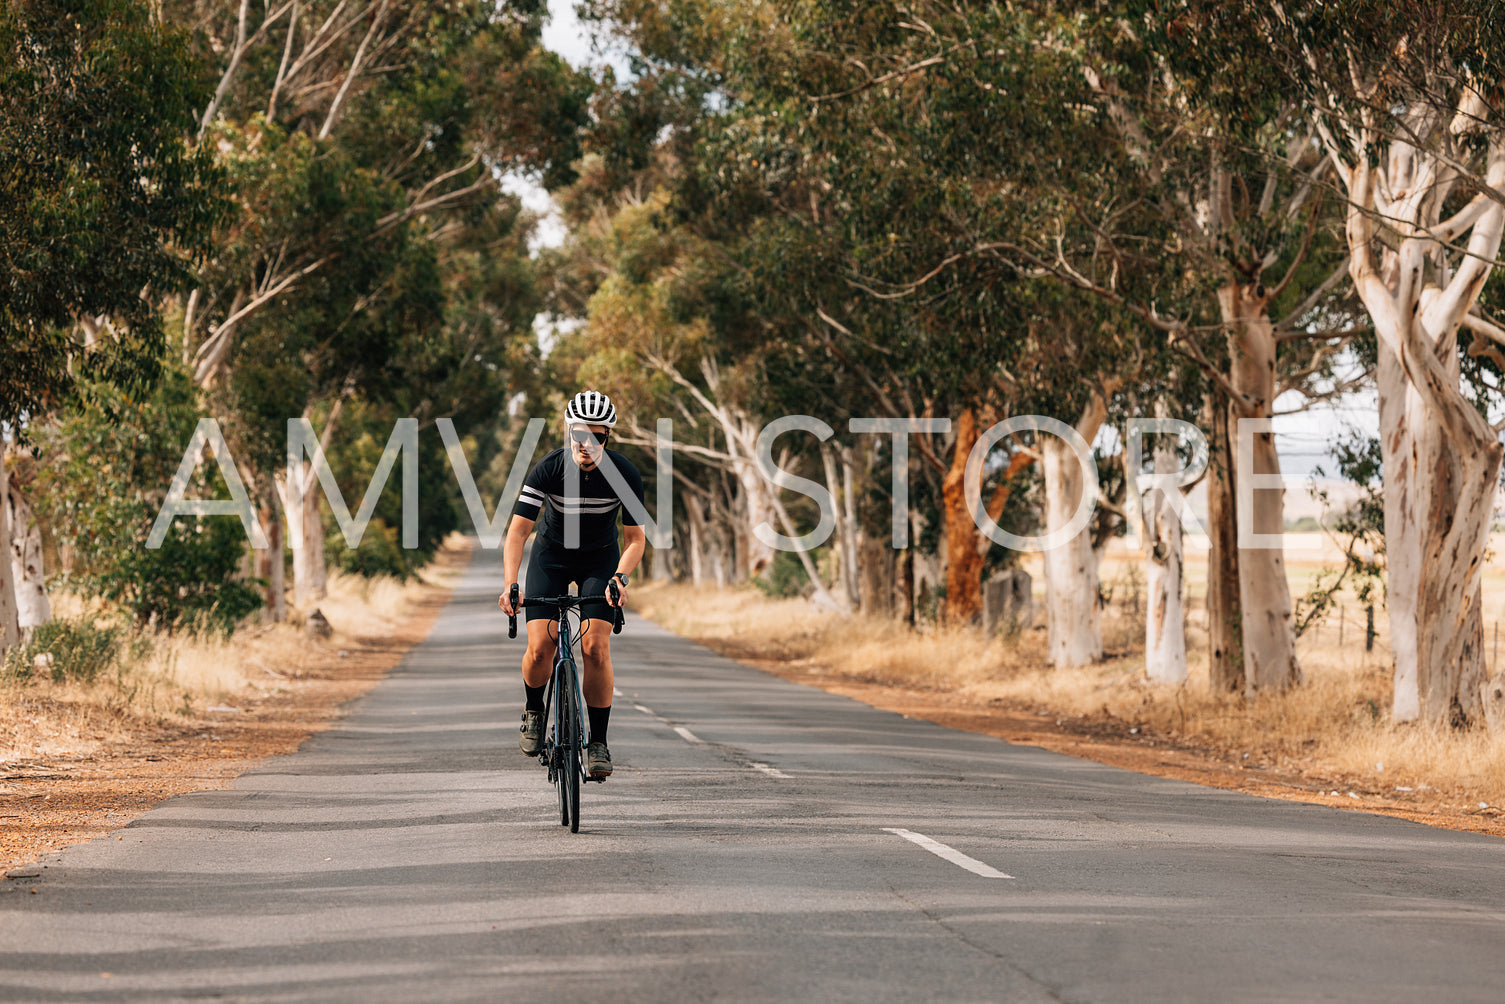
x=106 y=466
x=353 y=455
x=71 y=649
x=402 y=275
x=103 y=205
x=785 y=577
x=380 y=553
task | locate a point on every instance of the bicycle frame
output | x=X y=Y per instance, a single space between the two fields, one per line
x=566 y=676
x=563 y=752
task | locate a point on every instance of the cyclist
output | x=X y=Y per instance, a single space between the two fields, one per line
x=569 y=485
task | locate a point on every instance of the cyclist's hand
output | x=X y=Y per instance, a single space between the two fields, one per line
x=616 y=593
x=505 y=602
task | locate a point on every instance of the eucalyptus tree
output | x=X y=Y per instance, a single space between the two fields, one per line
x=670 y=319
x=103 y=208
x=846 y=185
x=365 y=140
x=1115 y=181
x=1405 y=100
x=790 y=168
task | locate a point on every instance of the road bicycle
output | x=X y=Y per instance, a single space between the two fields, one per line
x=563 y=752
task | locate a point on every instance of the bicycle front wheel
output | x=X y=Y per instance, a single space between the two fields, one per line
x=564 y=745
x=572 y=784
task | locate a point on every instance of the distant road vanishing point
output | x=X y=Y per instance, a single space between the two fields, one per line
x=759 y=841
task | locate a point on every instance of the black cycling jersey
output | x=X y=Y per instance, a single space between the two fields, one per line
x=557 y=486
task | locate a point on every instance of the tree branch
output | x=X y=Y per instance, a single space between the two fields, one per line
x=355 y=65
x=229 y=74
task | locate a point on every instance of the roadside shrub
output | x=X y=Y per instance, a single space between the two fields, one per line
x=77 y=649
x=785 y=577
x=106 y=465
x=380 y=553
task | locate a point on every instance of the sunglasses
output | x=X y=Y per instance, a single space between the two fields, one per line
x=586 y=436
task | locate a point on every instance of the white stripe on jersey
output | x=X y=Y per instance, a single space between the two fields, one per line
x=579 y=505
x=582 y=499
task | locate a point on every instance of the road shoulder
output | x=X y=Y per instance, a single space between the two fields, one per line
x=48 y=803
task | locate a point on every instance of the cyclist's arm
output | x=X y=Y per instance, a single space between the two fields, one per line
x=636 y=539
x=512 y=550
x=530 y=503
x=633 y=535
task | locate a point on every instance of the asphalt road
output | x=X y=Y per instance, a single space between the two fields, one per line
x=759 y=840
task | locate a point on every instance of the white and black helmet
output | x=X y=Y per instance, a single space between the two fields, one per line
x=590 y=407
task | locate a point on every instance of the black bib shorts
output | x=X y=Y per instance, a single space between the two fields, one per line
x=551 y=572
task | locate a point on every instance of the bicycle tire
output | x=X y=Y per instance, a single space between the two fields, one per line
x=572 y=765
x=563 y=743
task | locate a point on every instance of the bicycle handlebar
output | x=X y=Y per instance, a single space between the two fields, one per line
x=566 y=603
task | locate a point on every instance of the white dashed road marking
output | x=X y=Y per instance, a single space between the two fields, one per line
x=763 y=768
x=691 y=737
x=951 y=854
x=684 y=733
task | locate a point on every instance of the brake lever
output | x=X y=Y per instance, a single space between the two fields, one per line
x=512 y=617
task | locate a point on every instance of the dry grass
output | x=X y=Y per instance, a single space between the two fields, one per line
x=166 y=680
x=1335 y=726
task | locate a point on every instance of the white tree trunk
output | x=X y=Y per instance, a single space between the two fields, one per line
x=658 y=565
x=723 y=554
x=698 y=558
x=839 y=483
x=10 y=629
x=1401 y=414
x=844 y=586
x=310 y=577
x=1073 y=624
x=850 y=544
x=27 y=572
x=1267 y=624
x=757 y=507
x=1442 y=459
x=313 y=544
x=1165 y=615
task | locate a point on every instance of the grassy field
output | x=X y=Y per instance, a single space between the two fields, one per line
x=157 y=680
x=1336 y=724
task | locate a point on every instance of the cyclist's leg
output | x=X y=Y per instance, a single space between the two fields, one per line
x=595 y=638
x=544 y=578
x=595 y=652
x=595 y=648
x=547 y=576
x=538 y=660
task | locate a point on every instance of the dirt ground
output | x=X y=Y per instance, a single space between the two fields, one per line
x=49 y=803
x=1109 y=741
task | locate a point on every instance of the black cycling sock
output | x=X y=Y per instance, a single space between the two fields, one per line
x=535 y=697
x=599 y=718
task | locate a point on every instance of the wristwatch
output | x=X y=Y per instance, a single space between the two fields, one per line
x=620 y=577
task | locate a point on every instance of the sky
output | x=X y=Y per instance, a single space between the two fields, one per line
x=566 y=35
x=1304 y=439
